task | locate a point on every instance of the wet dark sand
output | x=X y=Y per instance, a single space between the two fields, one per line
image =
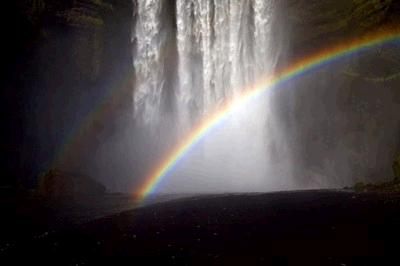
x=296 y=228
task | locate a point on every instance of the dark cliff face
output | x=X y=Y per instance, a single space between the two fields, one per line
x=311 y=25
x=60 y=58
x=341 y=122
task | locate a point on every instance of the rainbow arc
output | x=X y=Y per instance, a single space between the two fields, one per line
x=300 y=68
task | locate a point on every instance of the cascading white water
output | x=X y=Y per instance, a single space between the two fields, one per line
x=148 y=61
x=222 y=47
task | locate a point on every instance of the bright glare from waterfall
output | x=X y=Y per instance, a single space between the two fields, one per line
x=186 y=66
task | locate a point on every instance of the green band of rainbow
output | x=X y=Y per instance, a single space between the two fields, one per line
x=298 y=69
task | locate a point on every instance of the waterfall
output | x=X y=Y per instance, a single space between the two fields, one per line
x=148 y=61
x=222 y=48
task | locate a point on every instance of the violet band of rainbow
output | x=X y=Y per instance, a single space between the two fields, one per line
x=294 y=71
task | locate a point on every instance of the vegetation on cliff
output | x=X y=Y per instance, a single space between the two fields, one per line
x=47 y=18
x=83 y=13
x=324 y=23
x=330 y=20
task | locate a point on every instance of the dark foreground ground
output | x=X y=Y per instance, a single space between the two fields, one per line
x=295 y=228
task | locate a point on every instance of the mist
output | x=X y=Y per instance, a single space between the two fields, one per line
x=326 y=129
x=145 y=129
x=161 y=68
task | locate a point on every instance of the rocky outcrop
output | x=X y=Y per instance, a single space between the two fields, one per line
x=59 y=184
x=396 y=167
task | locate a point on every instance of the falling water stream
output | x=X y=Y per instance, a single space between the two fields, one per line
x=216 y=50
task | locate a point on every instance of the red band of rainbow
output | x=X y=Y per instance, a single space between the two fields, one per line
x=294 y=71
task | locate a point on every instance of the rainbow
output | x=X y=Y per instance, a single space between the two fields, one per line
x=80 y=133
x=294 y=71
